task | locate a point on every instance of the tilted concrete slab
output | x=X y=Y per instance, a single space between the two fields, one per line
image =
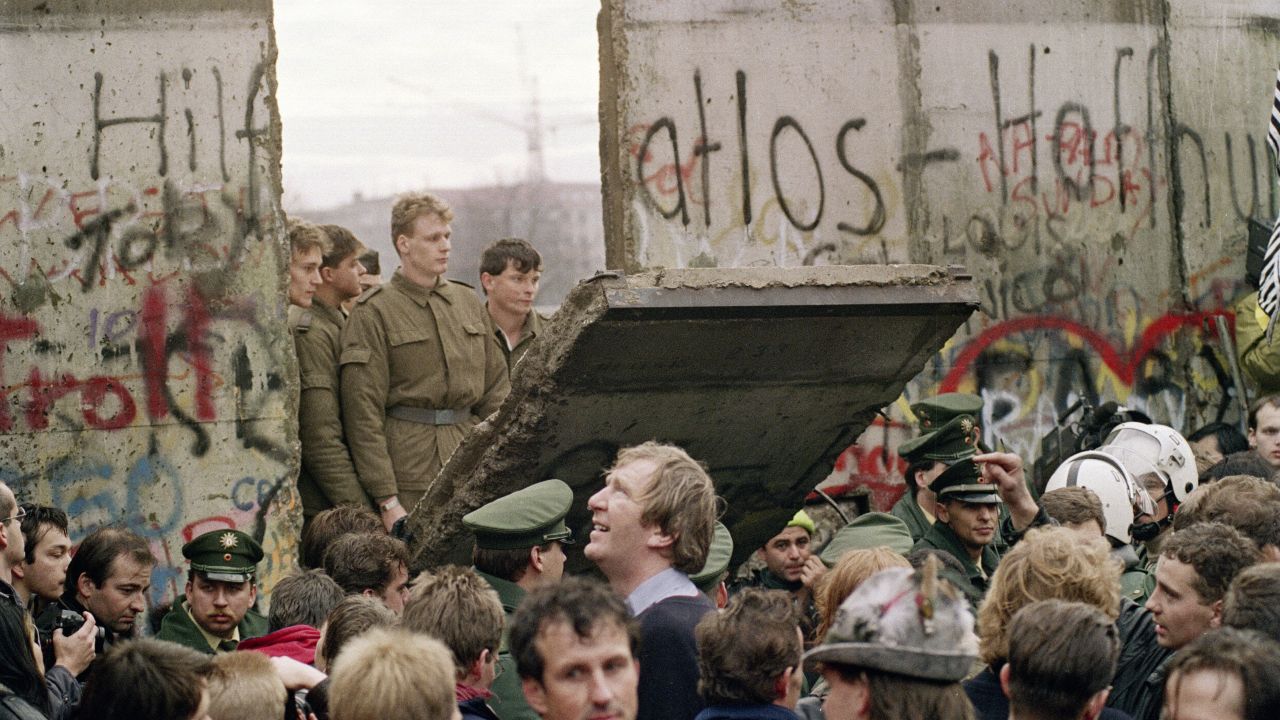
x=764 y=374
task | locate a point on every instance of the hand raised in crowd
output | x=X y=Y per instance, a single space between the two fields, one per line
x=1005 y=471
x=392 y=514
x=76 y=651
x=813 y=571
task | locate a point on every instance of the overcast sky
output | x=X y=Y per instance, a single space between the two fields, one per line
x=381 y=96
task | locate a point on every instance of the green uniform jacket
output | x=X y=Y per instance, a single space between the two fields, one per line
x=1259 y=359
x=532 y=329
x=431 y=348
x=910 y=513
x=178 y=627
x=508 y=697
x=327 y=477
x=942 y=537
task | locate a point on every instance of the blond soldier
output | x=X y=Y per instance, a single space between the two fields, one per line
x=420 y=364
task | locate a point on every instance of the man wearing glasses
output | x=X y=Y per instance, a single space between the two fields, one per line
x=12 y=547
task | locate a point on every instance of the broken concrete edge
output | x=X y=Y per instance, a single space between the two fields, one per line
x=435 y=523
x=614 y=186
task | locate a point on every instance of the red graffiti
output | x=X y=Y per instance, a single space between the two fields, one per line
x=209 y=524
x=1124 y=364
x=106 y=403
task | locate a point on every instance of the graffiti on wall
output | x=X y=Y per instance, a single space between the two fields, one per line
x=143 y=353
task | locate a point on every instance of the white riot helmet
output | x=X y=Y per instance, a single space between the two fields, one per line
x=1122 y=498
x=1141 y=447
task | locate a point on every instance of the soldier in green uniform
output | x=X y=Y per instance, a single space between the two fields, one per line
x=868 y=530
x=419 y=364
x=327 y=477
x=519 y=547
x=969 y=494
x=510 y=270
x=929 y=454
x=216 y=612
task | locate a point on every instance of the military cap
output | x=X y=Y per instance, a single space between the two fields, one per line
x=868 y=530
x=717 y=559
x=954 y=441
x=523 y=519
x=941 y=409
x=224 y=555
x=963 y=481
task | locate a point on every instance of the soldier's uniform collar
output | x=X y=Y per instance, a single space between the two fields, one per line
x=422 y=295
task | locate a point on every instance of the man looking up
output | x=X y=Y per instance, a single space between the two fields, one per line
x=519 y=547
x=307 y=245
x=419 y=364
x=652 y=525
x=327 y=477
x=790 y=565
x=575 y=649
x=216 y=612
x=510 y=270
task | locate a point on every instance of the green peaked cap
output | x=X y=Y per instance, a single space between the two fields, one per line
x=717 y=559
x=868 y=530
x=224 y=555
x=952 y=442
x=523 y=519
x=963 y=481
x=939 y=410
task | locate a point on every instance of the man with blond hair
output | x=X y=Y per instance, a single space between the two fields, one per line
x=456 y=606
x=307 y=246
x=245 y=686
x=392 y=674
x=420 y=364
x=651 y=527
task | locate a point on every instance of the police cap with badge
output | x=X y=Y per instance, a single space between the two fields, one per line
x=224 y=555
x=963 y=481
x=934 y=414
x=525 y=518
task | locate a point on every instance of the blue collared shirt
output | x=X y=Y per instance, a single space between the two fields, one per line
x=668 y=583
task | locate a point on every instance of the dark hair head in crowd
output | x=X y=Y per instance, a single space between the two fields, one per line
x=514 y=251
x=1244 y=462
x=1226 y=654
x=1216 y=552
x=1228 y=437
x=145 y=680
x=37 y=523
x=371 y=262
x=457 y=607
x=18 y=669
x=583 y=604
x=1062 y=655
x=364 y=561
x=331 y=524
x=342 y=245
x=98 y=552
x=1246 y=503
x=743 y=650
x=1253 y=600
x=303 y=598
x=351 y=618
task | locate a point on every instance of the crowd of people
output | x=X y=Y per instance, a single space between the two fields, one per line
x=1134 y=577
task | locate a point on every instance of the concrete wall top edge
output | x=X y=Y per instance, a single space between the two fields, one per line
x=37 y=11
x=1141 y=12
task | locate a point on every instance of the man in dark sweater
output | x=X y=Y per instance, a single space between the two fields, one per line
x=651 y=527
x=750 y=658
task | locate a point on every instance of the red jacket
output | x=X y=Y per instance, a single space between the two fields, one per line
x=296 y=641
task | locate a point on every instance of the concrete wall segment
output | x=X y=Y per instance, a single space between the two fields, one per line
x=148 y=373
x=1091 y=164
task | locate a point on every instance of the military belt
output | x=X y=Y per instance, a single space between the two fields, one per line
x=428 y=416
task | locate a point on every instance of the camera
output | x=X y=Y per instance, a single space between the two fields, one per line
x=69 y=622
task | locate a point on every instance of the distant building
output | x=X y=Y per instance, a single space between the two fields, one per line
x=563 y=220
